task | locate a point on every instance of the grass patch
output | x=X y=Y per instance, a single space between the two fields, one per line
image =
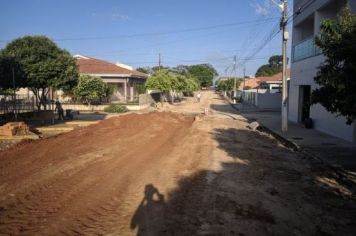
x=116 y=108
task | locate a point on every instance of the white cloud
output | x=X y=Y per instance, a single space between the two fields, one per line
x=119 y=16
x=262 y=8
x=111 y=16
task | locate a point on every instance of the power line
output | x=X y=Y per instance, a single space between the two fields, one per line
x=265 y=41
x=276 y=30
x=163 y=32
x=206 y=61
x=175 y=41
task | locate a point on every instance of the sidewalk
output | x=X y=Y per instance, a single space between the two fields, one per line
x=332 y=150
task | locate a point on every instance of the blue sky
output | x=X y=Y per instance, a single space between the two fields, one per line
x=134 y=32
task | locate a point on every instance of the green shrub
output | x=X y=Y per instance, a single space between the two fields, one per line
x=115 y=108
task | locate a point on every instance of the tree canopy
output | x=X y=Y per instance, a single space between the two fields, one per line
x=91 y=88
x=167 y=81
x=11 y=74
x=39 y=64
x=274 y=66
x=204 y=73
x=160 y=80
x=227 y=85
x=336 y=76
x=145 y=70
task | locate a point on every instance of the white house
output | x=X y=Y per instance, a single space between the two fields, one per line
x=305 y=60
x=123 y=77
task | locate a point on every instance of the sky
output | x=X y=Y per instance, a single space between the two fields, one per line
x=134 y=32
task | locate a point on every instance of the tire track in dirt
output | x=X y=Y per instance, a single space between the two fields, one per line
x=59 y=195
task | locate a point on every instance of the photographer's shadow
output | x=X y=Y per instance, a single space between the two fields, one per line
x=149 y=216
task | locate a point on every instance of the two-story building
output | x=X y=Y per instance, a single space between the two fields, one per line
x=306 y=58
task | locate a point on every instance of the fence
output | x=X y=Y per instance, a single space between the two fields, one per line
x=262 y=99
x=16 y=104
x=144 y=101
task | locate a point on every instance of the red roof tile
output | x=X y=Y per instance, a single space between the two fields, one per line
x=89 y=65
x=255 y=82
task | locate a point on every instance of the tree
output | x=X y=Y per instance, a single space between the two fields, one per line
x=11 y=75
x=274 y=66
x=227 y=85
x=336 y=76
x=191 y=85
x=109 y=89
x=181 y=70
x=204 y=73
x=91 y=88
x=140 y=88
x=168 y=82
x=40 y=65
x=146 y=70
x=185 y=84
x=160 y=80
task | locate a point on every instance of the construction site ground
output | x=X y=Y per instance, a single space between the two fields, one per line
x=170 y=172
x=47 y=128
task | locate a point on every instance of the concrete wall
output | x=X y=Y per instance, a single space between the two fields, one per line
x=145 y=100
x=304 y=71
x=269 y=101
x=331 y=123
x=262 y=99
x=81 y=107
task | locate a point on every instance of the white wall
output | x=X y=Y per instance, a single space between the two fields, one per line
x=330 y=123
x=262 y=99
x=270 y=101
x=303 y=73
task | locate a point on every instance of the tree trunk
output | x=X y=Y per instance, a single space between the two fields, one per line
x=171 y=94
x=89 y=104
x=37 y=96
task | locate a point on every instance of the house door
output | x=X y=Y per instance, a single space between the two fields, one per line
x=304 y=102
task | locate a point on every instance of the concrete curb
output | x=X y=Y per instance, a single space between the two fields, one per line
x=285 y=141
x=341 y=174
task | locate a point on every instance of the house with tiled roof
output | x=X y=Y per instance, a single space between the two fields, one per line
x=264 y=93
x=272 y=83
x=123 y=77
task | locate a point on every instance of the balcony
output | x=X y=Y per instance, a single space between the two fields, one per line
x=305 y=49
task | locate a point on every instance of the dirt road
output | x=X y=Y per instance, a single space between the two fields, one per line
x=163 y=173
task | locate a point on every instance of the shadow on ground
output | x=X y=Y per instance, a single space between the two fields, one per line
x=226 y=108
x=262 y=189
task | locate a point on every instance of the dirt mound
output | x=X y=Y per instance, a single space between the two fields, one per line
x=62 y=183
x=14 y=128
x=106 y=132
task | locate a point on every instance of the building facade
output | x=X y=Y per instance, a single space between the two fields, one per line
x=306 y=58
x=122 y=77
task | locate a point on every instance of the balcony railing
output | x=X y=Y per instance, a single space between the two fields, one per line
x=305 y=49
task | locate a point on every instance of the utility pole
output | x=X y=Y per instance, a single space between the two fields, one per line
x=234 y=80
x=159 y=61
x=243 y=89
x=285 y=37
